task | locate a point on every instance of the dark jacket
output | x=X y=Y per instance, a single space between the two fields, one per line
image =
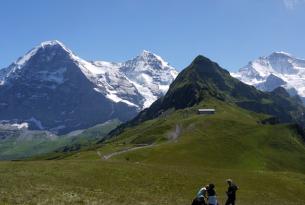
x=232 y=191
x=211 y=192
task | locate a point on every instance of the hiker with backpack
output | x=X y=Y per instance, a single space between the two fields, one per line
x=231 y=193
x=200 y=197
x=212 y=199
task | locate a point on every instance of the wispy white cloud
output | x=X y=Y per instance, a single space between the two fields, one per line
x=292 y=4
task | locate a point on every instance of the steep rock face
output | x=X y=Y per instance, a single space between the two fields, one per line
x=137 y=82
x=51 y=88
x=277 y=69
x=272 y=82
x=48 y=89
x=150 y=74
x=111 y=82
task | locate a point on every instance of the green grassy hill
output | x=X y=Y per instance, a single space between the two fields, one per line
x=233 y=138
x=189 y=150
x=22 y=143
x=169 y=151
x=204 y=79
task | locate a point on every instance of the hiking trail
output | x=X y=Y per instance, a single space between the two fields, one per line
x=171 y=136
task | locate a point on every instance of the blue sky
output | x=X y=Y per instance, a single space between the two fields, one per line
x=231 y=32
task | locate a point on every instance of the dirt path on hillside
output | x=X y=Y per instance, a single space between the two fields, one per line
x=175 y=134
x=108 y=156
x=172 y=136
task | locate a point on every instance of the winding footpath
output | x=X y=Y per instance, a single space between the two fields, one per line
x=108 y=156
x=172 y=136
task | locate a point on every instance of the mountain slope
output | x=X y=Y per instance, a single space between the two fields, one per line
x=233 y=138
x=204 y=149
x=241 y=135
x=177 y=150
x=150 y=74
x=51 y=88
x=48 y=89
x=204 y=79
x=278 y=69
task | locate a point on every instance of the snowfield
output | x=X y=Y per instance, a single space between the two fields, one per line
x=278 y=69
x=137 y=82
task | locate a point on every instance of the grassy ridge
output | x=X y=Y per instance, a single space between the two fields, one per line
x=189 y=150
x=232 y=138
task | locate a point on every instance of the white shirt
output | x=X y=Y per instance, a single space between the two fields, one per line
x=201 y=192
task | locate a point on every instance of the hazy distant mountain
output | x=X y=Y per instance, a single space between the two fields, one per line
x=275 y=70
x=51 y=88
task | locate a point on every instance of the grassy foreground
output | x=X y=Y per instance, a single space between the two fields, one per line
x=188 y=151
x=100 y=182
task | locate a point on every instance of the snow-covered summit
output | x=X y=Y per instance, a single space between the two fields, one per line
x=277 y=69
x=54 y=43
x=152 y=59
x=52 y=88
x=150 y=74
x=150 y=63
x=51 y=43
x=137 y=82
x=27 y=66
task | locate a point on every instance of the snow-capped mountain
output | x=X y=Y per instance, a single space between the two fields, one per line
x=137 y=82
x=52 y=88
x=150 y=74
x=278 y=69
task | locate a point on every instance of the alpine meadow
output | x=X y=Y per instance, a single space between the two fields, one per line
x=182 y=123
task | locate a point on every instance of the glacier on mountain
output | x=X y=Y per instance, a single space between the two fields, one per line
x=52 y=88
x=278 y=69
x=137 y=82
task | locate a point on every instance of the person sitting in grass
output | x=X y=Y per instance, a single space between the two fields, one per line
x=200 y=197
x=231 y=193
x=212 y=199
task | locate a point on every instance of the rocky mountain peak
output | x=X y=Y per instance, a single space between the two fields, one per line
x=50 y=83
x=277 y=69
x=204 y=80
x=48 y=47
x=280 y=54
x=147 y=61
